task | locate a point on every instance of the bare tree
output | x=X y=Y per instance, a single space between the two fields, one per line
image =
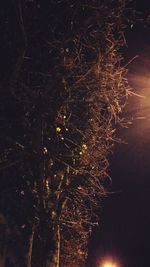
x=67 y=91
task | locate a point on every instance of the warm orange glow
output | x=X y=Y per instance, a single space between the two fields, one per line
x=109 y=262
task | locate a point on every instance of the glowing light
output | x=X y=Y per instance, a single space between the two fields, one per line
x=109 y=262
x=58 y=129
x=45 y=150
x=84 y=146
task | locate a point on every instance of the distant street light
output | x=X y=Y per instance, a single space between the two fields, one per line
x=109 y=262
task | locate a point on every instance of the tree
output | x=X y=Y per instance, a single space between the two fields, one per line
x=62 y=99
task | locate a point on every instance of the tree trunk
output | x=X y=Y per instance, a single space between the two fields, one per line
x=3 y=240
x=56 y=255
x=58 y=247
x=19 y=253
x=28 y=248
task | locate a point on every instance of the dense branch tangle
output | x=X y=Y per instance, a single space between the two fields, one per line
x=95 y=90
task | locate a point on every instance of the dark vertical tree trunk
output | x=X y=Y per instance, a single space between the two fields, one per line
x=3 y=240
x=27 y=255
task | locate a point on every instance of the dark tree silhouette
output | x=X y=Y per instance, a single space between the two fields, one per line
x=62 y=93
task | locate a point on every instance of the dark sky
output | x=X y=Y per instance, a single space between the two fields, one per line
x=124 y=232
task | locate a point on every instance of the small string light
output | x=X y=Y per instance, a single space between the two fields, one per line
x=58 y=129
x=84 y=146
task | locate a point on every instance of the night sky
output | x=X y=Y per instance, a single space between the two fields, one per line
x=124 y=232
